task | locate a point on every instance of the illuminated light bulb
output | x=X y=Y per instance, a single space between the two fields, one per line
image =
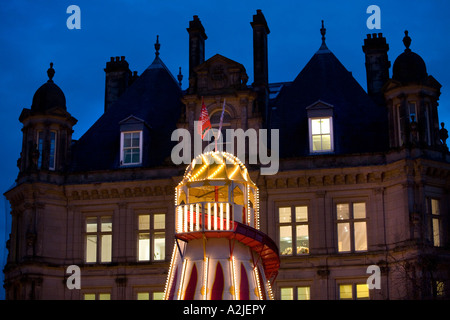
x=183 y=273
x=205 y=277
x=169 y=281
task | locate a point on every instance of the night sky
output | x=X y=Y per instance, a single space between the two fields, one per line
x=34 y=33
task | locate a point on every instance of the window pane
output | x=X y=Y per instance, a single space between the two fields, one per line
x=127 y=156
x=91 y=248
x=302 y=239
x=301 y=214
x=51 y=161
x=434 y=206
x=287 y=293
x=158 y=295
x=303 y=293
x=345 y=291
x=144 y=222
x=317 y=143
x=285 y=215
x=135 y=141
x=127 y=140
x=159 y=246
x=40 y=146
x=326 y=142
x=342 y=211
x=144 y=247
x=135 y=156
x=159 y=221
x=106 y=248
x=360 y=236
x=106 y=224
x=325 y=126
x=343 y=237
x=362 y=291
x=104 y=296
x=286 y=240
x=315 y=126
x=359 y=210
x=91 y=224
x=89 y=296
x=143 y=296
x=436 y=233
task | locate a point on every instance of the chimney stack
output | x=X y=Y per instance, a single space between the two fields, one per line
x=118 y=78
x=197 y=37
x=260 y=61
x=377 y=65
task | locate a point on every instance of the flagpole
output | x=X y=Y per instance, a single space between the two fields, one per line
x=220 y=124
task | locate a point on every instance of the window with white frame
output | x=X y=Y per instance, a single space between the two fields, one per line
x=151 y=237
x=131 y=148
x=293 y=230
x=351 y=226
x=321 y=134
x=98 y=239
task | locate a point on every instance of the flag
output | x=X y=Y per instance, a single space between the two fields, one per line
x=204 y=124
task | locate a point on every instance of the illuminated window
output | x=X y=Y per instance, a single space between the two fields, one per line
x=151 y=237
x=303 y=293
x=98 y=240
x=345 y=292
x=293 y=230
x=143 y=296
x=295 y=293
x=435 y=218
x=158 y=295
x=97 y=296
x=146 y=295
x=358 y=291
x=131 y=148
x=439 y=289
x=287 y=293
x=351 y=227
x=321 y=134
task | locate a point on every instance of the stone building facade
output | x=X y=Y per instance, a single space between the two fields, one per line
x=363 y=180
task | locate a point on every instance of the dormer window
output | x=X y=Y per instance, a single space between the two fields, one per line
x=131 y=146
x=320 y=123
x=133 y=131
x=320 y=134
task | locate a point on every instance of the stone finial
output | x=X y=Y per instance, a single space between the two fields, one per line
x=407 y=41
x=157 y=46
x=50 y=72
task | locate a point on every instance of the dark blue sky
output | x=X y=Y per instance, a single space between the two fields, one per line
x=33 y=33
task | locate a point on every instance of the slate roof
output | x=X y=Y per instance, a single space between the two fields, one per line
x=359 y=124
x=153 y=98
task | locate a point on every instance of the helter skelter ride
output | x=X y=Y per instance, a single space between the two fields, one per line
x=219 y=251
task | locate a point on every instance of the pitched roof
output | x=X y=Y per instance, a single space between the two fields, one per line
x=359 y=125
x=153 y=98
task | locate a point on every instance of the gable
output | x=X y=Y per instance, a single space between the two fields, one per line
x=220 y=74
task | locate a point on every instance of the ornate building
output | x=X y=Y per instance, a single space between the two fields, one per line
x=363 y=180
